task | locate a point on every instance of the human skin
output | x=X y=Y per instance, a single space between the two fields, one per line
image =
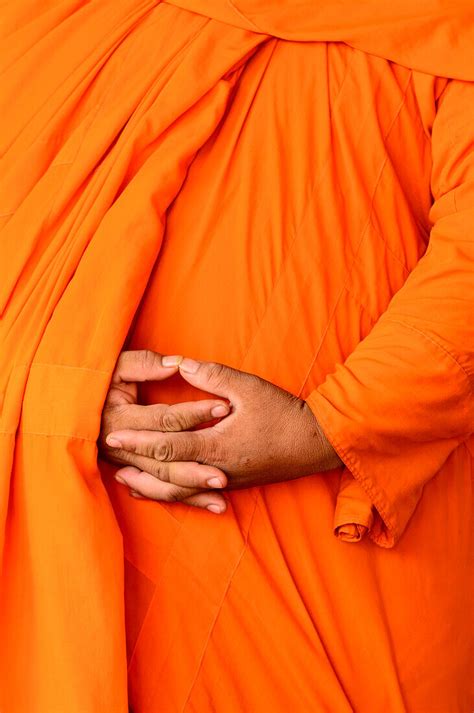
x=263 y=433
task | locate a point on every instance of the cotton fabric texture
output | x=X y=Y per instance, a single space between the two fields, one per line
x=288 y=188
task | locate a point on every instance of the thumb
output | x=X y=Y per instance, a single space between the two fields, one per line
x=214 y=378
x=144 y=365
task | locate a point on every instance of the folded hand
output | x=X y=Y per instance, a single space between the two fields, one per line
x=269 y=435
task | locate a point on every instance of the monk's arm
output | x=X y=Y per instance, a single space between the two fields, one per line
x=403 y=400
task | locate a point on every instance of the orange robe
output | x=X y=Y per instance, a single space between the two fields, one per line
x=288 y=189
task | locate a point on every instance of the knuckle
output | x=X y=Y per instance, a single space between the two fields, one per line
x=157 y=418
x=145 y=449
x=163 y=451
x=172 y=420
x=119 y=456
x=217 y=372
x=160 y=472
x=175 y=494
x=146 y=358
x=215 y=369
x=206 y=450
x=125 y=456
x=112 y=417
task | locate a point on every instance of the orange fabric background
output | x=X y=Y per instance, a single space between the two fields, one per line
x=291 y=194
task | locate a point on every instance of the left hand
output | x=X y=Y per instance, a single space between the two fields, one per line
x=269 y=436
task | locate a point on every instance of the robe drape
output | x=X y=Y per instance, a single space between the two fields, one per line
x=289 y=190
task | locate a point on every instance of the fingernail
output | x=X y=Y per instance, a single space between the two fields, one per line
x=120 y=480
x=221 y=410
x=113 y=442
x=215 y=483
x=190 y=366
x=134 y=494
x=171 y=360
x=217 y=509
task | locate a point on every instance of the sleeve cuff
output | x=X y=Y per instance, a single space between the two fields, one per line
x=361 y=508
x=354 y=512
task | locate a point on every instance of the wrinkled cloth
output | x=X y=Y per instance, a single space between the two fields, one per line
x=290 y=191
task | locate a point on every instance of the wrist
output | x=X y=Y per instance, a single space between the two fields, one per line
x=330 y=458
x=325 y=456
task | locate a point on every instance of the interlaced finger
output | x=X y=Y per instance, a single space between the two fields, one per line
x=186 y=474
x=149 y=487
x=165 y=418
x=195 y=446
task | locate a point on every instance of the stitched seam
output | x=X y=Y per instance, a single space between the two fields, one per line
x=67 y=366
x=152 y=603
x=388 y=248
x=74 y=436
x=224 y=596
x=264 y=510
x=363 y=234
x=354 y=296
x=309 y=201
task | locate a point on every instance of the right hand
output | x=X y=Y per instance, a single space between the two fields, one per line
x=121 y=411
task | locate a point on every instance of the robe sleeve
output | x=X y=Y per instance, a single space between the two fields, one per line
x=403 y=400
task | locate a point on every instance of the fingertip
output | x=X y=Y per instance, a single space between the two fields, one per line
x=220 y=410
x=130 y=470
x=217 y=509
x=189 y=366
x=120 y=439
x=171 y=362
x=216 y=482
x=122 y=475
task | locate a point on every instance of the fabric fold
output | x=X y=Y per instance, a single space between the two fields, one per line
x=353 y=514
x=414 y=35
x=91 y=163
